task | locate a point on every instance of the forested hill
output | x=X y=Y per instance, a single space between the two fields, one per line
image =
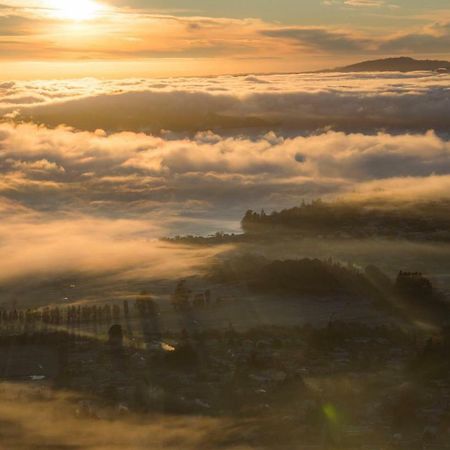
x=428 y=220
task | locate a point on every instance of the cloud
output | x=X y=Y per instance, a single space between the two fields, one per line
x=434 y=39
x=360 y=3
x=365 y=3
x=34 y=33
x=321 y=39
x=14 y=25
x=106 y=255
x=431 y=39
x=406 y=189
x=299 y=101
x=205 y=177
x=94 y=199
x=127 y=34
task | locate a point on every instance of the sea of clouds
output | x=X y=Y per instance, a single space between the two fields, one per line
x=295 y=103
x=111 y=165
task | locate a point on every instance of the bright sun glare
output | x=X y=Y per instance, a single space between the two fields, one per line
x=75 y=9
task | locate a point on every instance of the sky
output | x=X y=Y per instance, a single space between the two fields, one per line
x=64 y=38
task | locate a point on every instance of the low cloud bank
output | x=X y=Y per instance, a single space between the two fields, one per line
x=208 y=177
x=300 y=102
x=94 y=200
x=41 y=247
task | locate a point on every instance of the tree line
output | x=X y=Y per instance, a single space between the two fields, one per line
x=354 y=219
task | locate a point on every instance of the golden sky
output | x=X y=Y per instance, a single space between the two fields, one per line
x=63 y=38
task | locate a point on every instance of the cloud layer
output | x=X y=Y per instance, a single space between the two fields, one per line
x=133 y=175
x=301 y=102
x=93 y=198
x=34 y=31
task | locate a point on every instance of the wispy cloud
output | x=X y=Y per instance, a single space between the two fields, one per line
x=128 y=34
x=371 y=4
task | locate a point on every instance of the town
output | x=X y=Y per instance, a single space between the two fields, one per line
x=331 y=385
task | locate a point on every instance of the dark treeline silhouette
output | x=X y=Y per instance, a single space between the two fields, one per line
x=213 y=239
x=433 y=361
x=183 y=298
x=413 y=285
x=304 y=276
x=410 y=294
x=417 y=294
x=428 y=220
x=144 y=306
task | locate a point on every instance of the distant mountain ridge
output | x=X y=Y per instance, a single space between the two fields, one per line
x=401 y=64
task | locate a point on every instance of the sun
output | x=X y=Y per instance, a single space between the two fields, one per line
x=77 y=10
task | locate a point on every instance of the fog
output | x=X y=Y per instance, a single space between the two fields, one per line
x=32 y=418
x=392 y=101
